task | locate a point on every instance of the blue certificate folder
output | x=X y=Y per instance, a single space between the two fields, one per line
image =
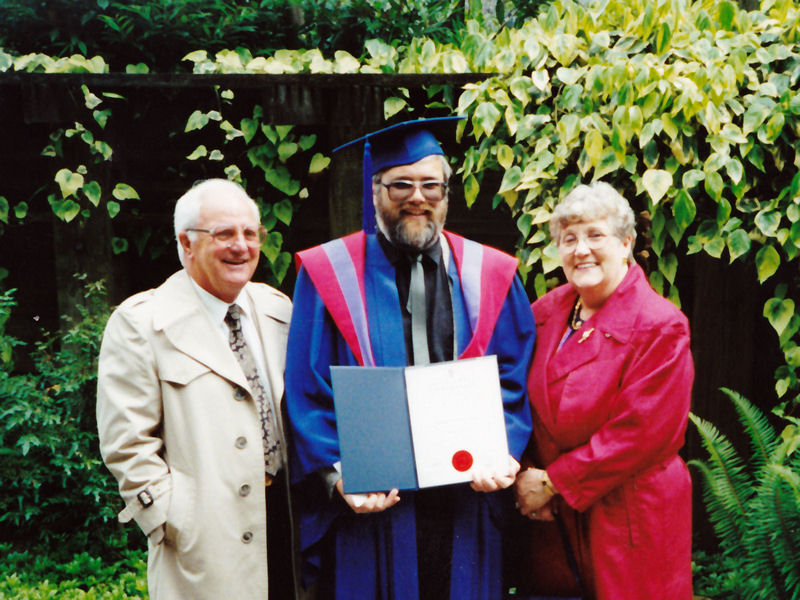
x=372 y=420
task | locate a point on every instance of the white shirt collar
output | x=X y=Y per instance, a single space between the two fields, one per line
x=217 y=308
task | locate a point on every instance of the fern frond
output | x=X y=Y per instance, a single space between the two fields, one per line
x=766 y=537
x=786 y=528
x=732 y=482
x=763 y=439
x=729 y=525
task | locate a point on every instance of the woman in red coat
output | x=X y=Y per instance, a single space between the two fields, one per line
x=610 y=390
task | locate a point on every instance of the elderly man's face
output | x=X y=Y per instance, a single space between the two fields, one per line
x=414 y=221
x=222 y=268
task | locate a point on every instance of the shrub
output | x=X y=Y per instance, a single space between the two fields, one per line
x=55 y=487
x=754 y=506
x=32 y=574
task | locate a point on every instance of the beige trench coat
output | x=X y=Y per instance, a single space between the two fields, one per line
x=176 y=418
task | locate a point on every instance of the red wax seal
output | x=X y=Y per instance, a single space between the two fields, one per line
x=462 y=461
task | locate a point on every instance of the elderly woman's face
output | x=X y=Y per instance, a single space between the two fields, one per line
x=594 y=259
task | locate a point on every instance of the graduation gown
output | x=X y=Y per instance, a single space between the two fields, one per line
x=374 y=555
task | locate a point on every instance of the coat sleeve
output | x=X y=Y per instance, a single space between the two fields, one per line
x=512 y=342
x=314 y=345
x=647 y=419
x=129 y=414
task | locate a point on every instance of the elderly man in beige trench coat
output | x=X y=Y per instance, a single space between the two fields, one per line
x=180 y=423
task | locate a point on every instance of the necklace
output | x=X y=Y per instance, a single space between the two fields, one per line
x=575 y=321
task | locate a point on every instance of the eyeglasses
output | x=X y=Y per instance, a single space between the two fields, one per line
x=594 y=240
x=225 y=235
x=402 y=189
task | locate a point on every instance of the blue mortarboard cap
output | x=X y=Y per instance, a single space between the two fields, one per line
x=400 y=144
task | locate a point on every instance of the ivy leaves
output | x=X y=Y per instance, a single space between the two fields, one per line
x=282 y=157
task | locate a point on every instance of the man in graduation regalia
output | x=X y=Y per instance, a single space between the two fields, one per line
x=409 y=294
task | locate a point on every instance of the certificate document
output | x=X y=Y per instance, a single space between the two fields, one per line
x=421 y=426
x=457 y=423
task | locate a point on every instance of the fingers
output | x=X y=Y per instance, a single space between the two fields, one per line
x=487 y=481
x=372 y=503
x=544 y=513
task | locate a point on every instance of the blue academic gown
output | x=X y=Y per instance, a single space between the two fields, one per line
x=370 y=556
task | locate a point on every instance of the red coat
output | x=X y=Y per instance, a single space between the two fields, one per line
x=610 y=412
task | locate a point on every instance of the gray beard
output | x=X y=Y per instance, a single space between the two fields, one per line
x=397 y=232
x=399 y=235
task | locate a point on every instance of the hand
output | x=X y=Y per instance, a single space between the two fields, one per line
x=368 y=503
x=545 y=513
x=532 y=494
x=484 y=480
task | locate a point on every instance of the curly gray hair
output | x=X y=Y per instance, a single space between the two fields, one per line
x=597 y=200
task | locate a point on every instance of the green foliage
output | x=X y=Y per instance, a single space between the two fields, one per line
x=754 y=506
x=263 y=158
x=40 y=573
x=54 y=483
x=159 y=32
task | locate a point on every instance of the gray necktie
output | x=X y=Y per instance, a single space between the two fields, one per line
x=272 y=452
x=419 y=318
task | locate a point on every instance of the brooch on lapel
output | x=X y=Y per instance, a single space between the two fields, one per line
x=585 y=335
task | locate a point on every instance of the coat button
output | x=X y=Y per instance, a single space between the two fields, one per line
x=247 y=537
x=239 y=394
x=244 y=489
x=241 y=442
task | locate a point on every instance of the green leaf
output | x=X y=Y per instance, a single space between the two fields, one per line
x=485 y=118
x=122 y=191
x=69 y=182
x=392 y=106
x=68 y=210
x=20 y=210
x=272 y=245
x=197 y=120
x=249 y=128
x=738 y=244
x=199 y=152
x=3 y=209
x=668 y=266
x=779 y=312
x=767 y=262
x=511 y=179
x=714 y=246
x=692 y=177
x=283 y=131
x=283 y=211
x=657 y=182
x=286 y=150
x=280 y=178
x=216 y=155
x=93 y=192
x=307 y=141
x=714 y=185
x=768 y=222
x=113 y=208
x=771 y=129
x=319 y=163
x=505 y=156
x=119 y=245
x=101 y=117
x=471 y=189
x=684 y=210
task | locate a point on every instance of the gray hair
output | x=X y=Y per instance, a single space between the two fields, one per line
x=597 y=200
x=188 y=206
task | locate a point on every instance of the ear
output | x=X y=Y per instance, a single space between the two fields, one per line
x=185 y=242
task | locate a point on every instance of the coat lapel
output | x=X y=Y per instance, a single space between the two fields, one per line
x=180 y=315
x=272 y=314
